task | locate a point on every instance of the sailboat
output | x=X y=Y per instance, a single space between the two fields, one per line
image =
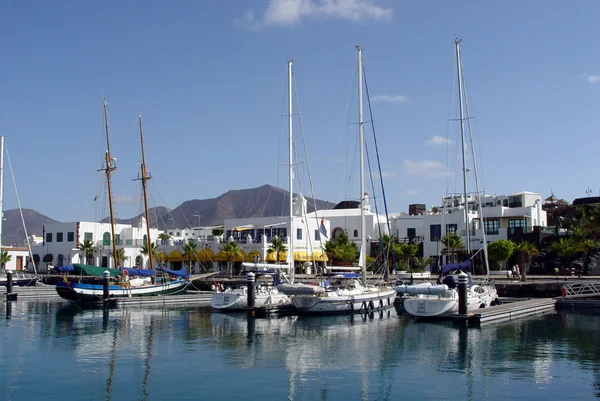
x=349 y=296
x=128 y=285
x=441 y=299
x=233 y=299
x=19 y=278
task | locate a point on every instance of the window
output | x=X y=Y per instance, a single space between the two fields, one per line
x=516 y=226
x=435 y=232
x=59 y=238
x=70 y=236
x=505 y=202
x=355 y=233
x=515 y=201
x=48 y=237
x=88 y=236
x=451 y=228
x=492 y=227
x=299 y=234
x=106 y=239
x=411 y=232
x=118 y=239
x=317 y=235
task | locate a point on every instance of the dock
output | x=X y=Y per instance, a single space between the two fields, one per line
x=506 y=312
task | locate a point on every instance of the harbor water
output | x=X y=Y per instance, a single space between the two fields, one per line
x=50 y=350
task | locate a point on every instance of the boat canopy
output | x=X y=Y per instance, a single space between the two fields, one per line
x=177 y=273
x=87 y=270
x=464 y=266
x=138 y=272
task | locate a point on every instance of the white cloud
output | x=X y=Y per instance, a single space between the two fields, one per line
x=292 y=12
x=391 y=98
x=438 y=140
x=412 y=192
x=593 y=79
x=427 y=168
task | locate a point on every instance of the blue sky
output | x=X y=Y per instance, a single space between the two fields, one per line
x=210 y=81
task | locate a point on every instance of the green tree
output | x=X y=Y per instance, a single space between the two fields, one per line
x=500 y=251
x=152 y=248
x=341 y=249
x=232 y=250
x=217 y=231
x=277 y=246
x=421 y=263
x=526 y=251
x=121 y=257
x=190 y=252
x=4 y=259
x=566 y=248
x=89 y=251
x=406 y=253
x=164 y=236
x=452 y=244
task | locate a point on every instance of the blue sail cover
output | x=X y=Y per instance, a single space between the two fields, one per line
x=464 y=266
x=176 y=273
x=65 y=269
x=138 y=272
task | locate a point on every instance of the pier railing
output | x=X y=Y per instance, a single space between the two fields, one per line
x=581 y=290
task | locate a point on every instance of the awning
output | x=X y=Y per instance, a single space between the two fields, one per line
x=301 y=256
x=319 y=256
x=175 y=256
x=251 y=255
x=223 y=257
x=205 y=255
x=243 y=228
x=272 y=257
x=48 y=258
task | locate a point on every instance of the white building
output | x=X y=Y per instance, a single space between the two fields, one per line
x=61 y=241
x=504 y=217
x=18 y=258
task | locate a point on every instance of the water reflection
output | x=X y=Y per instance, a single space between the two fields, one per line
x=133 y=352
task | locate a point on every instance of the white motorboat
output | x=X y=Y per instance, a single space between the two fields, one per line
x=236 y=299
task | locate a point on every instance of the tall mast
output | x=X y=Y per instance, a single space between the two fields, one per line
x=462 y=143
x=361 y=138
x=109 y=167
x=144 y=178
x=290 y=172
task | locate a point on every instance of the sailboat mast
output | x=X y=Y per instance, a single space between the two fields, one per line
x=144 y=178
x=291 y=171
x=108 y=169
x=462 y=143
x=361 y=135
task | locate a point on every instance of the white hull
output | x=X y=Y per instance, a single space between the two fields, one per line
x=446 y=304
x=232 y=300
x=336 y=302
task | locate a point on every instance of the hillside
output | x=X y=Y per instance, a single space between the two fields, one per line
x=12 y=226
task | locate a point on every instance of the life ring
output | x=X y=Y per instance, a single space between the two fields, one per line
x=563 y=292
x=125 y=273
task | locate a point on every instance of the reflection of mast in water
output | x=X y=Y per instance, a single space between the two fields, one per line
x=111 y=365
x=148 y=357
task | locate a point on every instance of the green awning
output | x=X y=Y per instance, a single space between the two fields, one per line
x=88 y=270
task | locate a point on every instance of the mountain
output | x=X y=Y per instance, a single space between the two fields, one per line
x=266 y=200
x=12 y=226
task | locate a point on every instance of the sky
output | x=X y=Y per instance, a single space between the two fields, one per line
x=210 y=79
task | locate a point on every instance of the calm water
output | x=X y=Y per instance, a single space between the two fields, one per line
x=52 y=351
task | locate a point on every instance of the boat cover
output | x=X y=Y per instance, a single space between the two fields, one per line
x=464 y=266
x=138 y=272
x=89 y=270
x=176 y=273
x=300 y=289
x=65 y=269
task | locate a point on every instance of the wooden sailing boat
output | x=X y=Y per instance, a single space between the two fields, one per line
x=132 y=282
x=352 y=297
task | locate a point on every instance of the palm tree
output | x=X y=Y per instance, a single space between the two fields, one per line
x=121 y=257
x=4 y=259
x=190 y=252
x=153 y=249
x=526 y=250
x=389 y=248
x=452 y=243
x=565 y=248
x=164 y=236
x=232 y=250
x=406 y=252
x=278 y=246
x=421 y=263
x=89 y=250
